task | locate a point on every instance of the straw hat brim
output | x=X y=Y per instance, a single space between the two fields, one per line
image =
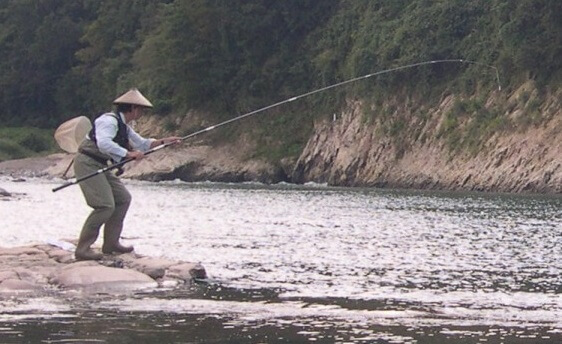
x=133 y=97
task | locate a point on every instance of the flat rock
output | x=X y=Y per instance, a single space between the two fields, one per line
x=61 y=256
x=36 y=268
x=12 y=285
x=76 y=276
x=153 y=267
x=7 y=274
x=18 y=251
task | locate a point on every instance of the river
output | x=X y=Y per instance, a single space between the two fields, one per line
x=306 y=264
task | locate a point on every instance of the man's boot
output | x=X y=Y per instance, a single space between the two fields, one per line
x=111 y=235
x=111 y=245
x=87 y=254
x=83 y=251
x=117 y=249
x=90 y=232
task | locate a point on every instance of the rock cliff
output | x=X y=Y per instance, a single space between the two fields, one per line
x=349 y=151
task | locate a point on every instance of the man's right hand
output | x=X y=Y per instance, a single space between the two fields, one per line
x=136 y=155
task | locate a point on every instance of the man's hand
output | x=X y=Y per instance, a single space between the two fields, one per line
x=172 y=139
x=137 y=155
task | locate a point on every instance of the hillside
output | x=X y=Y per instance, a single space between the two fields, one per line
x=519 y=159
x=203 y=62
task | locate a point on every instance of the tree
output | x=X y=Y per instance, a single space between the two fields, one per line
x=38 y=39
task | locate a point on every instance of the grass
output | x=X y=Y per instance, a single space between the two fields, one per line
x=469 y=124
x=24 y=142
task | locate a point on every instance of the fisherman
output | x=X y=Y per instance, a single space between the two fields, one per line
x=111 y=139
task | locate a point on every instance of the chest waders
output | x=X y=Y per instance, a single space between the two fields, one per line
x=105 y=194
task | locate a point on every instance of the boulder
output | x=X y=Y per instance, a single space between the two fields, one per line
x=9 y=274
x=187 y=271
x=153 y=267
x=99 y=278
x=13 y=285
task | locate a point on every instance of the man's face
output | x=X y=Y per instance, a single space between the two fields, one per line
x=137 y=112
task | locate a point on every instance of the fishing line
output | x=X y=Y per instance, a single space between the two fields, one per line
x=289 y=100
x=338 y=85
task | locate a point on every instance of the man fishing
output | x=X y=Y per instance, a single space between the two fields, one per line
x=111 y=139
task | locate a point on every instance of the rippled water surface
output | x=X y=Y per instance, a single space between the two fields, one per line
x=307 y=264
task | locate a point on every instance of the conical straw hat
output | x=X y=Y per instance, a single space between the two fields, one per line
x=134 y=97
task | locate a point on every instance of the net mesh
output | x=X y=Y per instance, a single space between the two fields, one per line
x=71 y=133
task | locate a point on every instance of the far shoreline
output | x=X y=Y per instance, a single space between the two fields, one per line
x=56 y=165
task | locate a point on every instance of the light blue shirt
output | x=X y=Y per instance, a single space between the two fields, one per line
x=106 y=130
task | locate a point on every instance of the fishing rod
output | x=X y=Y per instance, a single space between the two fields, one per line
x=292 y=99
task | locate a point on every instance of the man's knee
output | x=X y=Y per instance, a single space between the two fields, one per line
x=124 y=198
x=100 y=215
x=106 y=206
x=105 y=209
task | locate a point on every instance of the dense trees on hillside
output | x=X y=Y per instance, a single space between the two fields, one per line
x=38 y=42
x=61 y=58
x=227 y=54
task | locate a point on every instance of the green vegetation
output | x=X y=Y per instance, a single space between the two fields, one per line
x=469 y=123
x=16 y=143
x=61 y=59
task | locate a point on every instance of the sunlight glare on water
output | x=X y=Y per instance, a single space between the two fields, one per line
x=407 y=257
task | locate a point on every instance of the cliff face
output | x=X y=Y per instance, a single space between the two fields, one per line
x=349 y=151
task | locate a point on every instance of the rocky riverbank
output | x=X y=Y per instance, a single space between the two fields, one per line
x=354 y=151
x=50 y=268
x=431 y=150
x=188 y=163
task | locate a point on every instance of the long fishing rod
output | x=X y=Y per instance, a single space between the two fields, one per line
x=366 y=76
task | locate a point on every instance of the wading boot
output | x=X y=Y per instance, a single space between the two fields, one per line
x=116 y=248
x=87 y=238
x=114 y=226
x=111 y=243
x=87 y=254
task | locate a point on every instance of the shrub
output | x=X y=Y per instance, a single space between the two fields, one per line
x=36 y=143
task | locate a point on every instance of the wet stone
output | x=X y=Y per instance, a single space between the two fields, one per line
x=79 y=276
x=154 y=267
x=187 y=271
x=34 y=269
x=9 y=274
x=61 y=256
x=12 y=285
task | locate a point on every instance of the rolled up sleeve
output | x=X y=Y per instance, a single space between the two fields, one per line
x=138 y=142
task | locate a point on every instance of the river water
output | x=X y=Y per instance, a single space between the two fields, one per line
x=306 y=264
